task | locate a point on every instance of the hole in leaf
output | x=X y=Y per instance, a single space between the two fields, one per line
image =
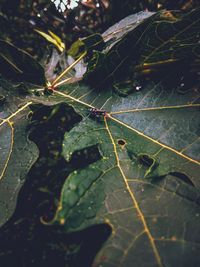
x=182 y=177
x=84 y=157
x=121 y=142
x=39 y=196
x=91 y=240
x=146 y=160
x=49 y=124
x=30 y=114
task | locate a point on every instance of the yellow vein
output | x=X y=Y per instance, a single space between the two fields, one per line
x=68 y=69
x=93 y=101
x=62 y=82
x=7 y=120
x=195 y=99
x=117 y=31
x=153 y=140
x=162 y=190
x=10 y=150
x=127 y=250
x=125 y=58
x=127 y=126
x=157 y=256
x=154 y=108
x=11 y=63
x=187 y=147
x=15 y=113
x=106 y=102
x=59 y=207
x=171 y=38
x=89 y=92
x=120 y=210
x=74 y=99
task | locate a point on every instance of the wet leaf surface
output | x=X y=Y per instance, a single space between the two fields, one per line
x=129 y=174
x=148 y=189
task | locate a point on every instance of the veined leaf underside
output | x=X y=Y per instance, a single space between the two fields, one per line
x=145 y=141
x=186 y=158
x=16 y=156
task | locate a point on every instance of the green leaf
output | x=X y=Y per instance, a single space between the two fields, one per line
x=18 y=153
x=142 y=176
x=135 y=170
x=18 y=65
x=119 y=30
x=88 y=44
x=158 y=43
x=52 y=38
x=145 y=182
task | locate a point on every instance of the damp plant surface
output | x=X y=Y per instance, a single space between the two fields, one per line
x=100 y=147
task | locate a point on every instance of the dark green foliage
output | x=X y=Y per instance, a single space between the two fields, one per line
x=159 y=44
x=17 y=65
x=108 y=174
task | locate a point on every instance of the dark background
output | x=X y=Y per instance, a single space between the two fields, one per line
x=19 y=18
x=29 y=243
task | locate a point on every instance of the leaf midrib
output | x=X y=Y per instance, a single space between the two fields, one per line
x=8 y=121
x=135 y=203
x=109 y=115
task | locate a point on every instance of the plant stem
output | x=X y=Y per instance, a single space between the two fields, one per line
x=68 y=69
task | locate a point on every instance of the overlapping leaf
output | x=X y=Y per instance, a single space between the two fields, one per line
x=17 y=65
x=17 y=152
x=162 y=40
x=146 y=183
x=136 y=169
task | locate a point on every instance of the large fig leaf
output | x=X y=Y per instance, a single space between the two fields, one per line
x=144 y=182
x=136 y=169
x=17 y=152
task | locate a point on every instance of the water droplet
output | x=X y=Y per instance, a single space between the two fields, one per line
x=138 y=88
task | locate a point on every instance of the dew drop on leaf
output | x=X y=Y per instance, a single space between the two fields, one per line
x=138 y=88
